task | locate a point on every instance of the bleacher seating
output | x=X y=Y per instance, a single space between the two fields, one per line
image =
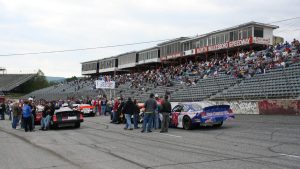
x=75 y=89
x=10 y=81
x=275 y=83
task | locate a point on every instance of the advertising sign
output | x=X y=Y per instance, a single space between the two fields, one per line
x=101 y=84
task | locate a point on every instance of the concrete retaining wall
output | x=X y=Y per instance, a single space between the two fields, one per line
x=265 y=107
x=279 y=107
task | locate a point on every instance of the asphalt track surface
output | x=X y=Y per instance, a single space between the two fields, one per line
x=249 y=141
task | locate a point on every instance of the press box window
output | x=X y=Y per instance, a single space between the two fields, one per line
x=258 y=32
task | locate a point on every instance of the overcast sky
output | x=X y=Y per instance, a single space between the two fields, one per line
x=46 y=25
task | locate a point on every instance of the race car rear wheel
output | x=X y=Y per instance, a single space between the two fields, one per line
x=77 y=125
x=218 y=125
x=187 y=123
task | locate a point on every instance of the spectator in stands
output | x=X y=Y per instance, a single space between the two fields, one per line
x=26 y=112
x=165 y=110
x=150 y=107
x=128 y=111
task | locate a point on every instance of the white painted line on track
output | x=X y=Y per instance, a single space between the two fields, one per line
x=289 y=155
x=171 y=135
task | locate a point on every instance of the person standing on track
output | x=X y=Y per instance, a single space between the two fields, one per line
x=136 y=114
x=150 y=107
x=128 y=110
x=26 y=112
x=166 y=110
x=16 y=114
x=2 y=110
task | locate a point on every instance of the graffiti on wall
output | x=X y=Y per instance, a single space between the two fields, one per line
x=238 y=107
x=282 y=107
x=242 y=107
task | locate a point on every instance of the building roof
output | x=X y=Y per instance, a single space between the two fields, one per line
x=126 y=53
x=173 y=40
x=148 y=49
x=89 y=61
x=232 y=28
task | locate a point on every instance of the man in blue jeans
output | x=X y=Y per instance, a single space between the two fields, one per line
x=16 y=109
x=150 y=107
x=46 y=116
x=128 y=110
x=26 y=112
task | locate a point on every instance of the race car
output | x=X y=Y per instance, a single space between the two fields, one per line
x=189 y=115
x=66 y=117
x=86 y=109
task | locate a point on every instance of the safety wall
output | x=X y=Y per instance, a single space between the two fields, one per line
x=242 y=107
x=264 y=107
x=279 y=107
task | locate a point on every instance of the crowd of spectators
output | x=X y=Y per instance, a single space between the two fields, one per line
x=242 y=64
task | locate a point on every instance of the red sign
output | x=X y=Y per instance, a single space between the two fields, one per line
x=241 y=42
x=201 y=50
x=163 y=58
x=218 y=47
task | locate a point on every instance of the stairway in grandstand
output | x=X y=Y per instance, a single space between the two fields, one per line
x=10 y=81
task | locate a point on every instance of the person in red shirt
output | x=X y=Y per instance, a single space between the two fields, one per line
x=115 y=109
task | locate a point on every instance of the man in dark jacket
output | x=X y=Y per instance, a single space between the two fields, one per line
x=128 y=111
x=120 y=113
x=136 y=114
x=2 y=111
x=166 y=110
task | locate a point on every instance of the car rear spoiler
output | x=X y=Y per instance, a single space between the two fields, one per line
x=216 y=108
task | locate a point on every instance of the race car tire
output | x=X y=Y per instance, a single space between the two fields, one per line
x=54 y=126
x=187 y=123
x=218 y=125
x=77 y=125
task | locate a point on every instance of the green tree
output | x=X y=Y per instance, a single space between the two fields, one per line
x=71 y=79
x=36 y=83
